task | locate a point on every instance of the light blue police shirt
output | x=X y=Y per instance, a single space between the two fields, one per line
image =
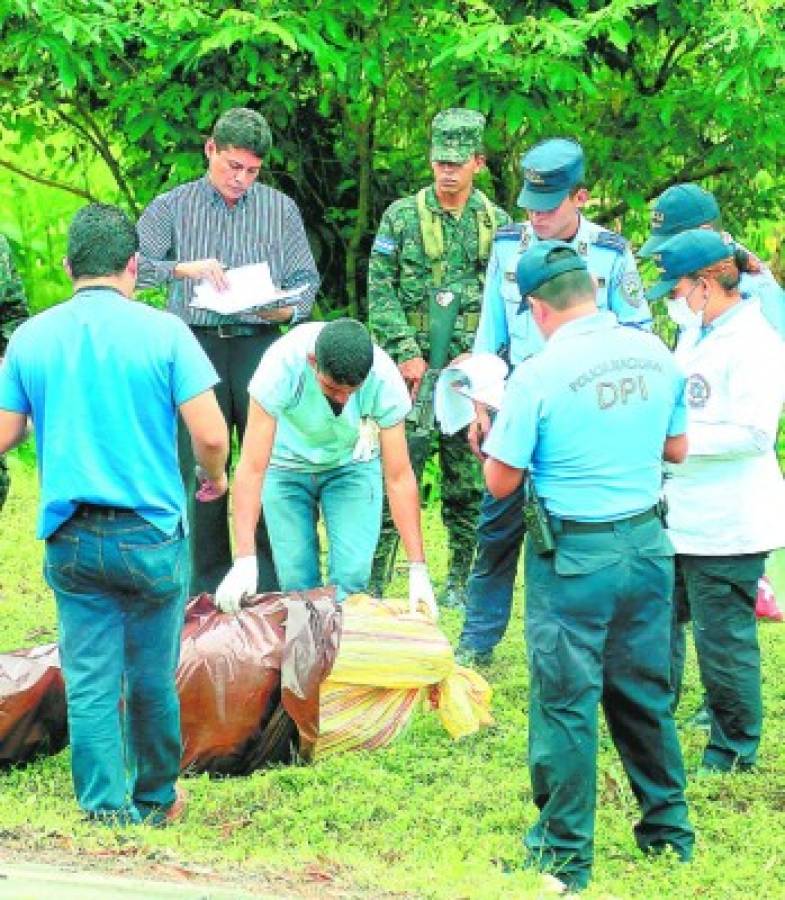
x=589 y=416
x=309 y=436
x=608 y=258
x=764 y=286
x=102 y=377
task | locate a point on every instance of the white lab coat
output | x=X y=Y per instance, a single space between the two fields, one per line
x=728 y=497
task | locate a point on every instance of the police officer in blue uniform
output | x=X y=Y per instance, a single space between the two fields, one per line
x=553 y=194
x=587 y=422
x=685 y=206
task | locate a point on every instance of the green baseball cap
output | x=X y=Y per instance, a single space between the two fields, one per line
x=685 y=254
x=544 y=260
x=679 y=208
x=456 y=135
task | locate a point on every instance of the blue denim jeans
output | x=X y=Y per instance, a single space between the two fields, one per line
x=500 y=532
x=120 y=586
x=350 y=500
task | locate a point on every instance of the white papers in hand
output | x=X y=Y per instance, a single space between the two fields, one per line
x=250 y=287
x=478 y=378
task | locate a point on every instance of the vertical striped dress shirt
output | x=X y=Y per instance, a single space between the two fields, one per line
x=193 y=222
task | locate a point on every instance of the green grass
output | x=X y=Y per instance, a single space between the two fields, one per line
x=427 y=817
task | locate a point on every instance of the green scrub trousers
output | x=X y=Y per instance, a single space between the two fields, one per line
x=718 y=593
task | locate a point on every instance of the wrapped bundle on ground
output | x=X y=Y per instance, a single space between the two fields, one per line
x=388 y=661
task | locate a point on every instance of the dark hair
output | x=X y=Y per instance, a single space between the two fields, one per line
x=101 y=240
x=244 y=129
x=566 y=290
x=725 y=272
x=344 y=352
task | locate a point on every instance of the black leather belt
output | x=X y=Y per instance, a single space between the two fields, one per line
x=231 y=331
x=108 y=512
x=569 y=525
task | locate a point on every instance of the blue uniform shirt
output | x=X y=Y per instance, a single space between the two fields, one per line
x=309 y=436
x=589 y=416
x=608 y=258
x=102 y=377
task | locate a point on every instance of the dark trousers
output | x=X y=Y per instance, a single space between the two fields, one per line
x=718 y=593
x=598 y=618
x=235 y=359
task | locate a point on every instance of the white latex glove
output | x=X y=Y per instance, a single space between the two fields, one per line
x=367 y=440
x=421 y=589
x=240 y=581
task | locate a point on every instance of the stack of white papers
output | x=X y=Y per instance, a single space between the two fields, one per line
x=478 y=378
x=250 y=287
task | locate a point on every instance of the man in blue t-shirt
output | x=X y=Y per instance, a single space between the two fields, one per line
x=587 y=422
x=103 y=379
x=326 y=416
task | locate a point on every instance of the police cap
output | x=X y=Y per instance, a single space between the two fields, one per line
x=551 y=169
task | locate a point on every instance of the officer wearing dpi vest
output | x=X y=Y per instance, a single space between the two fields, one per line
x=588 y=421
x=553 y=196
x=425 y=284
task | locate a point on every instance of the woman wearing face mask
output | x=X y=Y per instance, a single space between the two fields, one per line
x=726 y=502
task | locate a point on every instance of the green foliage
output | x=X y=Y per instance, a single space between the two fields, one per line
x=426 y=817
x=113 y=100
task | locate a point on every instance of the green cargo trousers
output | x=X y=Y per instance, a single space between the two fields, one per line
x=718 y=593
x=598 y=623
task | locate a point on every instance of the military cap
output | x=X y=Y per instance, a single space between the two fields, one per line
x=680 y=207
x=551 y=169
x=456 y=135
x=685 y=254
x=544 y=260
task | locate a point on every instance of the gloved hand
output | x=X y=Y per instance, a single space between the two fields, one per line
x=421 y=589
x=239 y=582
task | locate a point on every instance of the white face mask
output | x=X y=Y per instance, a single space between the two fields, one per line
x=681 y=314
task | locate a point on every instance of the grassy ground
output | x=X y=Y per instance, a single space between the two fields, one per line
x=425 y=818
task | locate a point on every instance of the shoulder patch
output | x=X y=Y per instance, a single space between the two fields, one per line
x=384 y=244
x=610 y=241
x=511 y=232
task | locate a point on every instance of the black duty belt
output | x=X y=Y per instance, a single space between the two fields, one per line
x=570 y=525
x=231 y=331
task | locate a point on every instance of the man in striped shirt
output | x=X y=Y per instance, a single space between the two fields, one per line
x=196 y=232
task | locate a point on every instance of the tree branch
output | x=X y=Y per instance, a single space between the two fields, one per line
x=687 y=173
x=47 y=182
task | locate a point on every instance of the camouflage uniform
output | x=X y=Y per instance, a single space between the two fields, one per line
x=401 y=293
x=13 y=311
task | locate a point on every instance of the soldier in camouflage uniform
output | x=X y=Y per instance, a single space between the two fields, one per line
x=13 y=311
x=425 y=284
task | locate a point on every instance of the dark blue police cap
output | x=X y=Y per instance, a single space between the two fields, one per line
x=551 y=169
x=680 y=207
x=685 y=254
x=544 y=260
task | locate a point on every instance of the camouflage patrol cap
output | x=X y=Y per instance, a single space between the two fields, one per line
x=679 y=208
x=551 y=169
x=456 y=135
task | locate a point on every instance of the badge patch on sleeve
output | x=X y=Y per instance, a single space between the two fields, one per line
x=632 y=288
x=385 y=245
x=698 y=391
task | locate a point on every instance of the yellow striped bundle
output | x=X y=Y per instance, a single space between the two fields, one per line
x=389 y=660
